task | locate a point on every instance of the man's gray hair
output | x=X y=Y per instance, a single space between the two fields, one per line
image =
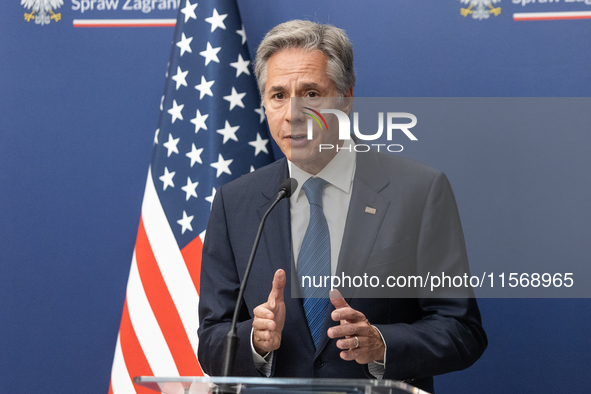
x=330 y=40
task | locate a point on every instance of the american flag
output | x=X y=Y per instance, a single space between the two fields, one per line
x=212 y=129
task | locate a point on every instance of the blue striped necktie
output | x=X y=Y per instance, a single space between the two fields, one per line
x=314 y=259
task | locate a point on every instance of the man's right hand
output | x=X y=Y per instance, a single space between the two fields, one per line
x=269 y=318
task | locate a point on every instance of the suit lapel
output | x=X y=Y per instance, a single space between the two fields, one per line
x=277 y=238
x=277 y=231
x=361 y=228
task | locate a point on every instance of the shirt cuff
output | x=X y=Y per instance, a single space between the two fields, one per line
x=262 y=363
x=376 y=368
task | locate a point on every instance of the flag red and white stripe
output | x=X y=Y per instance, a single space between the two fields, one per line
x=158 y=332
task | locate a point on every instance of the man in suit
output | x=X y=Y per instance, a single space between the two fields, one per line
x=353 y=214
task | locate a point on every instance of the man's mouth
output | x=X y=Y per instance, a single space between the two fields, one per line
x=298 y=137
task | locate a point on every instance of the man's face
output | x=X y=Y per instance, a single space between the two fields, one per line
x=293 y=73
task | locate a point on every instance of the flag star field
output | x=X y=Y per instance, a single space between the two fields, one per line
x=212 y=127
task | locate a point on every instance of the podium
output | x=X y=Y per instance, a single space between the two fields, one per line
x=205 y=385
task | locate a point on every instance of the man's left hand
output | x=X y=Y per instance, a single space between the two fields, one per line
x=362 y=342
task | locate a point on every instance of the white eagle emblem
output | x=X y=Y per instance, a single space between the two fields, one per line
x=44 y=10
x=480 y=9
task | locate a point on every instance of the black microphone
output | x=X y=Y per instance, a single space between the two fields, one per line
x=287 y=187
x=232 y=341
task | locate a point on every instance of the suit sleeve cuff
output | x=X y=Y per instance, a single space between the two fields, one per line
x=376 y=368
x=262 y=363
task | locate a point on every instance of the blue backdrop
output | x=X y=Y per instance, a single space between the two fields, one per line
x=80 y=107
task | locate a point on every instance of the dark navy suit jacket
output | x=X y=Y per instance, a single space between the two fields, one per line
x=416 y=227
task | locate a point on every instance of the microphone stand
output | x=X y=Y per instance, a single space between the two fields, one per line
x=232 y=341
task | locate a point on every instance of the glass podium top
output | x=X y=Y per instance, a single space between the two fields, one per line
x=238 y=385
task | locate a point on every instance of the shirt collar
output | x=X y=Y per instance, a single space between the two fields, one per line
x=338 y=172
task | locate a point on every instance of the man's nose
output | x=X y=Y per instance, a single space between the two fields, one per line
x=294 y=113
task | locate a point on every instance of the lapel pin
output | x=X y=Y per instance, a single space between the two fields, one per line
x=370 y=210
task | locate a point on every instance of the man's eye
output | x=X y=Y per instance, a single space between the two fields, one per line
x=279 y=96
x=312 y=94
